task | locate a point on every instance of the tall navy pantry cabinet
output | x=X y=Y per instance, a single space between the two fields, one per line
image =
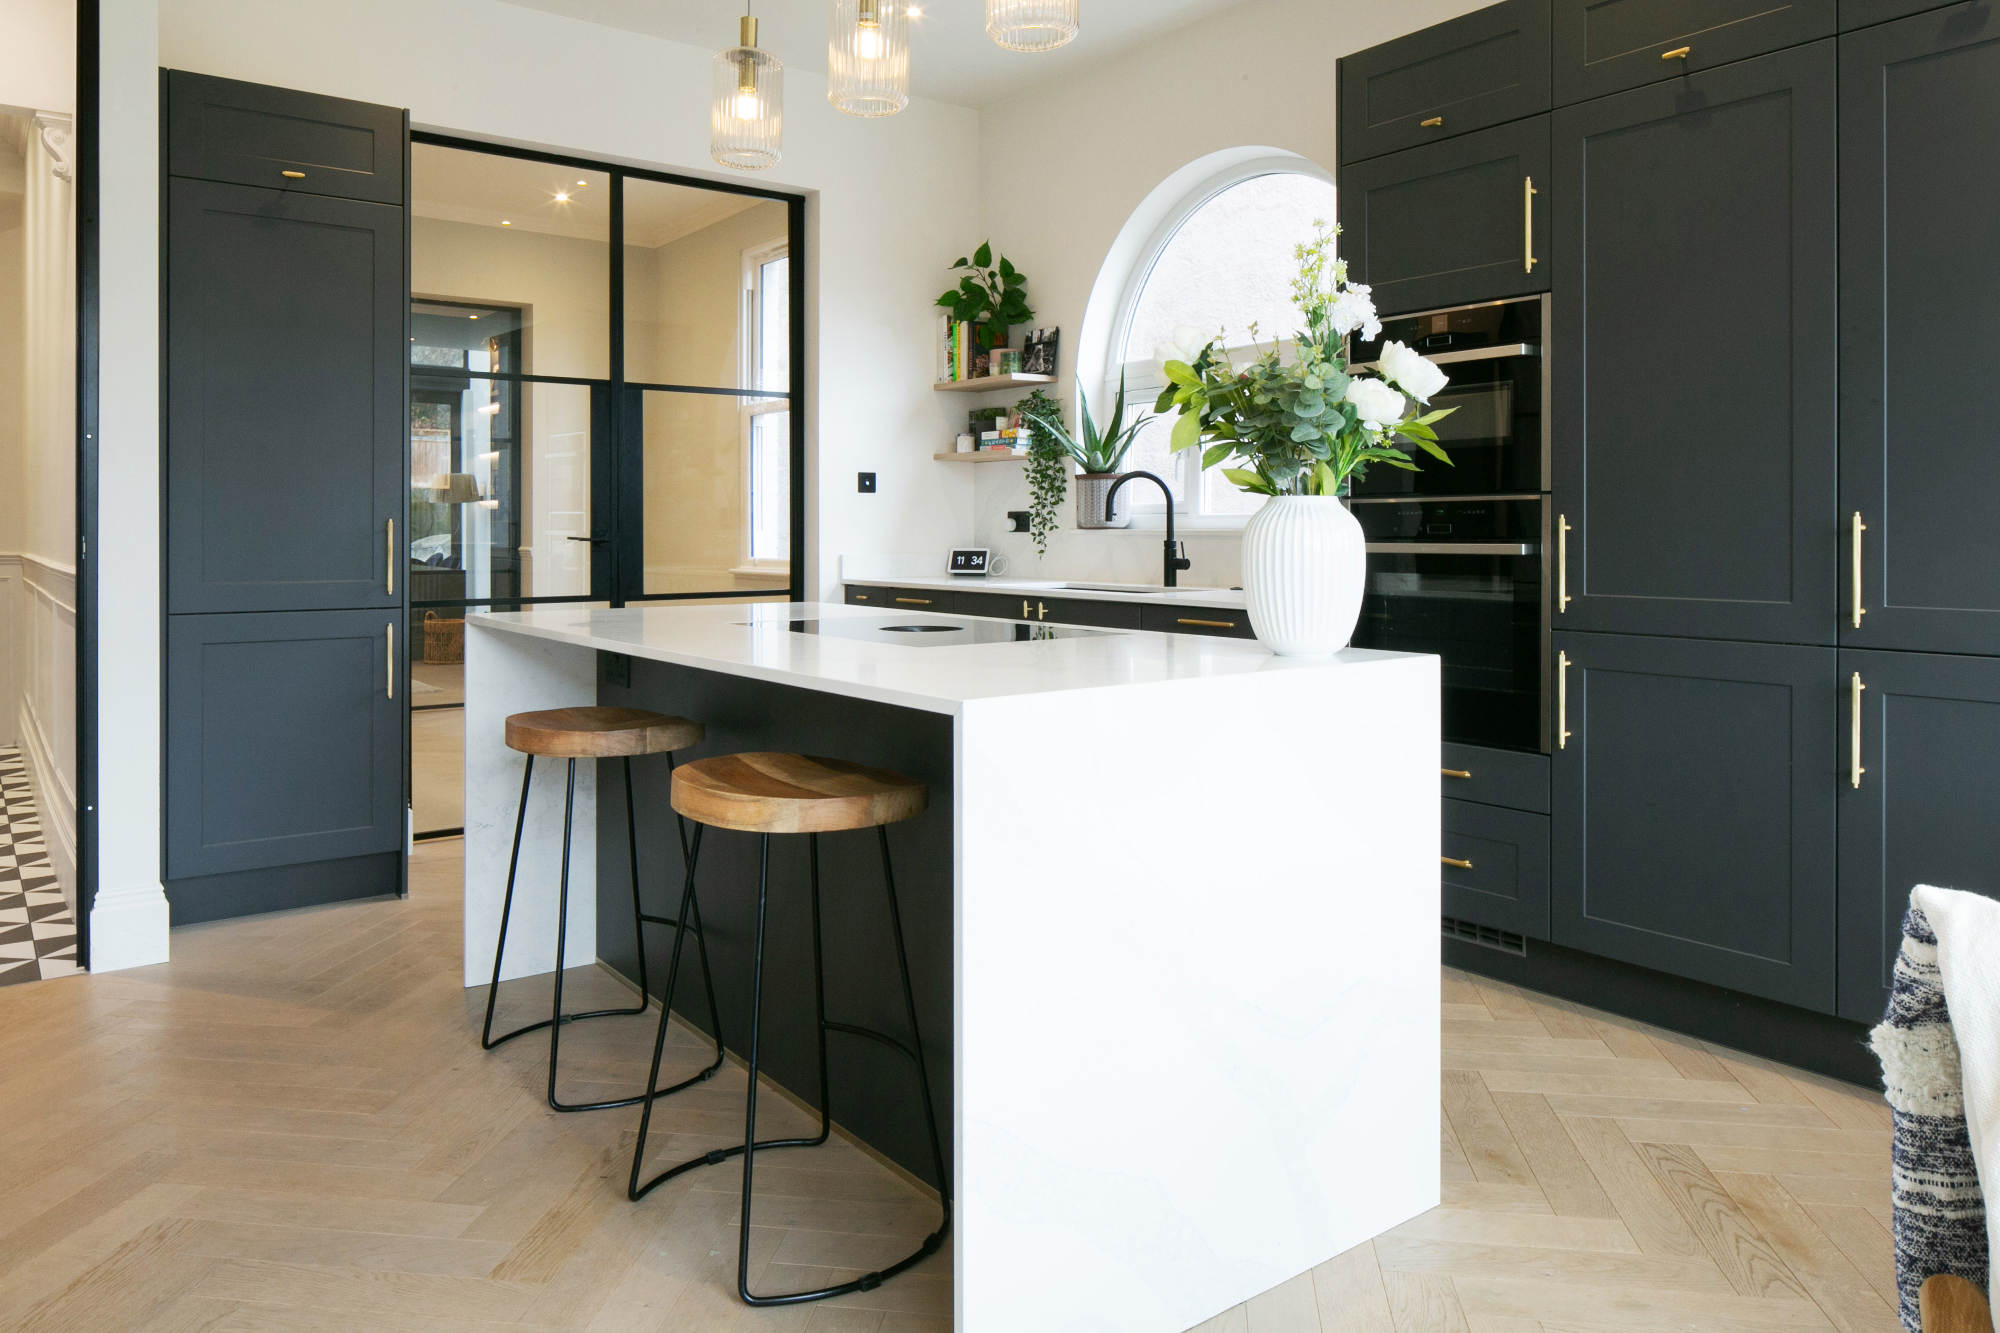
x=1770 y=241
x=285 y=458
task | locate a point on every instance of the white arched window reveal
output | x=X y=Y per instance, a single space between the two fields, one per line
x=1222 y=262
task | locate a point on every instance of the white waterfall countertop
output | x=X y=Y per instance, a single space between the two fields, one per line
x=912 y=669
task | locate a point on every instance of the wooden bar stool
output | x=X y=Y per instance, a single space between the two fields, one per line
x=597 y=733
x=788 y=793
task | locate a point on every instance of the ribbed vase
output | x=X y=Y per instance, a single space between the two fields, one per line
x=1304 y=563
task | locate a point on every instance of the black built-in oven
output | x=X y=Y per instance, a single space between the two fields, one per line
x=1458 y=556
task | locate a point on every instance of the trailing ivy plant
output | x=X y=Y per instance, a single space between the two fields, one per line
x=1048 y=467
x=991 y=297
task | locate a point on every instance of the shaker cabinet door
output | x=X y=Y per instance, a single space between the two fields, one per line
x=1489 y=66
x=1919 y=317
x=1693 y=811
x=1923 y=806
x=251 y=134
x=1451 y=223
x=284 y=739
x=285 y=360
x=1605 y=46
x=1694 y=355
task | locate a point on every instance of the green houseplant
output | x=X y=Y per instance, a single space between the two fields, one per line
x=1098 y=455
x=1048 y=467
x=991 y=297
x=1297 y=430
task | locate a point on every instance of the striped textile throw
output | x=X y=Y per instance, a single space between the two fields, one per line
x=1940 y=1215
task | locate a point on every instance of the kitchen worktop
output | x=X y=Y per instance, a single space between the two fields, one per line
x=756 y=641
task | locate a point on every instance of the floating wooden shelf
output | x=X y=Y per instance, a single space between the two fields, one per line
x=981 y=456
x=992 y=382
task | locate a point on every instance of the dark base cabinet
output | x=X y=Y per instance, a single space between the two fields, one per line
x=1496 y=867
x=284 y=743
x=1693 y=811
x=1925 y=807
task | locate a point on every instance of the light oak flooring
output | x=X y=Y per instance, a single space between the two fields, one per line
x=291 y=1127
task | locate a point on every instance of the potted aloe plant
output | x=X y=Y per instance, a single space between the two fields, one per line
x=1296 y=430
x=1098 y=455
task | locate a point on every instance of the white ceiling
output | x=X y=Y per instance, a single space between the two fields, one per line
x=951 y=58
x=486 y=189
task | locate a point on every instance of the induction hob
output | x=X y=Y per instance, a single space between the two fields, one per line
x=938 y=632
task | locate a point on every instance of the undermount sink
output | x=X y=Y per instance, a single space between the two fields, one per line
x=1138 y=589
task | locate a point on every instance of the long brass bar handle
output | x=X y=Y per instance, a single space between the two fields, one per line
x=293 y=175
x=1027 y=610
x=1528 y=193
x=1854 y=768
x=1206 y=624
x=1454 y=861
x=1562 y=564
x=389 y=644
x=1041 y=611
x=1562 y=701
x=389 y=566
x=913 y=601
x=1857 y=529
x=1456 y=772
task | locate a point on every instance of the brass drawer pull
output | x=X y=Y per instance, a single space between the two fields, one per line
x=1434 y=123
x=1456 y=772
x=1858 y=527
x=1207 y=624
x=1454 y=861
x=1027 y=611
x=913 y=601
x=860 y=596
x=1041 y=611
x=1854 y=768
x=1678 y=53
x=293 y=175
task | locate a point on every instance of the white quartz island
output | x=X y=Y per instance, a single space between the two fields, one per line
x=1175 y=910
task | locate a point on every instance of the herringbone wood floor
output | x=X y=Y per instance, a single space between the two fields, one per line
x=291 y=1127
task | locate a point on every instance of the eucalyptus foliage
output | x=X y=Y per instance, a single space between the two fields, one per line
x=1306 y=425
x=993 y=297
x=1048 y=468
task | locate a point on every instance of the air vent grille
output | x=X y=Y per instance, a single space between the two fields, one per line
x=1486 y=937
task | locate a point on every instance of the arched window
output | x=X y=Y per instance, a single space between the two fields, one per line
x=1222 y=262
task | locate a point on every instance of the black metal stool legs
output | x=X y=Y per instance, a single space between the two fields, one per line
x=557 y=1018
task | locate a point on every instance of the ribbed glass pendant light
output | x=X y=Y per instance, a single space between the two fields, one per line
x=747 y=121
x=868 y=57
x=1031 y=25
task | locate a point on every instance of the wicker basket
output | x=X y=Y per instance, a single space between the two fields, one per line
x=444 y=639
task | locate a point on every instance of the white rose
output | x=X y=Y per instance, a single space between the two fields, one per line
x=1410 y=371
x=1185 y=345
x=1379 y=405
x=1353 y=307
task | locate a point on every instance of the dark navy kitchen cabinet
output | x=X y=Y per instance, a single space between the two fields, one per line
x=1606 y=46
x=1695 y=355
x=1921 y=807
x=285 y=353
x=1495 y=868
x=1692 y=810
x=1920 y=317
x=1489 y=66
x=284 y=740
x=250 y=134
x=1453 y=222
x=1861 y=13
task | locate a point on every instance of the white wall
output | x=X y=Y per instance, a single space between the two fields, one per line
x=1065 y=165
x=890 y=204
x=38 y=56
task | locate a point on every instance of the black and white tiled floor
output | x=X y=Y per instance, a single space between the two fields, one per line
x=37 y=937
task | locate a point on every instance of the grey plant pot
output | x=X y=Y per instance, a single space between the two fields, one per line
x=1091 y=488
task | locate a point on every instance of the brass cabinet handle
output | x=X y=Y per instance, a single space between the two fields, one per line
x=1041 y=611
x=1456 y=772
x=1434 y=123
x=389 y=568
x=1528 y=193
x=293 y=175
x=389 y=644
x=1678 y=53
x=1207 y=624
x=1857 y=528
x=1562 y=564
x=1027 y=611
x=860 y=596
x=1854 y=768
x=1562 y=701
x=913 y=601
x=1454 y=861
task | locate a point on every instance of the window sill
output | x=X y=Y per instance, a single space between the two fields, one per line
x=1225 y=525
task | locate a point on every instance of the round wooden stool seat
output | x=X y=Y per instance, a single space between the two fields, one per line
x=793 y=793
x=599 y=733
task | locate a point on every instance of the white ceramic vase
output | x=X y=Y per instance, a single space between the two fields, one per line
x=1304 y=563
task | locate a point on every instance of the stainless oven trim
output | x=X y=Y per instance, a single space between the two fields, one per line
x=1496 y=353
x=1454 y=548
x=1353 y=500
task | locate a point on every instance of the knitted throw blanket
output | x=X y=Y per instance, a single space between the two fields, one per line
x=1940 y=1215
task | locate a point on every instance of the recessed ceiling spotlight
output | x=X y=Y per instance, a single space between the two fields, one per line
x=562 y=196
x=505 y=223
x=581 y=184
x=472 y=317
x=916 y=11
